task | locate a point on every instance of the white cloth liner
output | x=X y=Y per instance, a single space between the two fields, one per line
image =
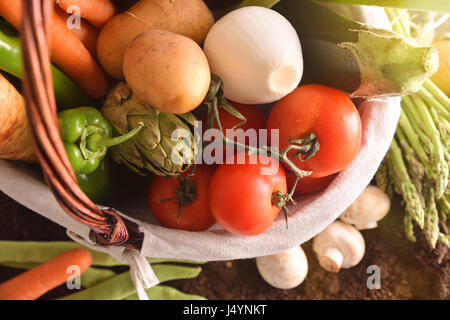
x=140 y=270
x=308 y=217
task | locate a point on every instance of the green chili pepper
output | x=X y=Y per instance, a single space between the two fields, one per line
x=96 y=185
x=87 y=136
x=67 y=94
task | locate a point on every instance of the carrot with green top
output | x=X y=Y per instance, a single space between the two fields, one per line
x=67 y=52
x=97 y=12
x=35 y=282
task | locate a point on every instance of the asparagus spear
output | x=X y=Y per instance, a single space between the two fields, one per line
x=431 y=219
x=419 y=156
x=404 y=184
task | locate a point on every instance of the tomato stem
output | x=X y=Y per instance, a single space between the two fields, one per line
x=185 y=194
x=280 y=200
x=304 y=148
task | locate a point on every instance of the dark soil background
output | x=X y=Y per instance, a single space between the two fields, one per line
x=408 y=270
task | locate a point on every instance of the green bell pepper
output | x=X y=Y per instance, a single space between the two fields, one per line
x=87 y=136
x=96 y=185
x=67 y=94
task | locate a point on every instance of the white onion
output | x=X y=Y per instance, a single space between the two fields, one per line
x=257 y=54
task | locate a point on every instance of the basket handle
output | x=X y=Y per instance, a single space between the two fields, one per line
x=107 y=226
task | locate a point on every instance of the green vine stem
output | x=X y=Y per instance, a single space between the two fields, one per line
x=185 y=193
x=306 y=147
x=303 y=148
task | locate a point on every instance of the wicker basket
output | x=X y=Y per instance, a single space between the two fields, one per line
x=108 y=227
x=111 y=229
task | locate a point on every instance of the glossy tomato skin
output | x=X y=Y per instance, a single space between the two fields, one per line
x=328 y=113
x=241 y=197
x=195 y=216
x=309 y=185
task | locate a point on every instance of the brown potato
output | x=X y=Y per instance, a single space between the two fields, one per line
x=190 y=18
x=15 y=135
x=167 y=70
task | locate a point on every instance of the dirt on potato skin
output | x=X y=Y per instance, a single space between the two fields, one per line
x=408 y=270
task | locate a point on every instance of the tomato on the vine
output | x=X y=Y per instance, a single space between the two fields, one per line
x=244 y=199
x=182 y=202
x=330 y=115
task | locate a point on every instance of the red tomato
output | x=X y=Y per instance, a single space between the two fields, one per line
x=256 y=119
x=328 y=113
x=195 y=216
x=241 y=197
x=309 y=185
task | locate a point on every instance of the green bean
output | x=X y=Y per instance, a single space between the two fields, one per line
x=40 y=252
x=161 y=260
x=94 y=276
x=115 y=288
x=167 y=272
x=121 y=286
x=166 y=293
x=19 y=265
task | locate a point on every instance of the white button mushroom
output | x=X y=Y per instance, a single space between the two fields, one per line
x=338 y=246
x=284 y=270
x=370 y=207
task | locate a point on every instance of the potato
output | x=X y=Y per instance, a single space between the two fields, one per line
x=167 y=70
x=190 y=18
x=15 y=136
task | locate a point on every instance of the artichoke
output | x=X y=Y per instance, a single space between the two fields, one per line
x=152 y=149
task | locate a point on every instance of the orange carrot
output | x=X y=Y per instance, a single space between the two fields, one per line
x=97 y=12
x=35 y=282
x=67 y=52
x=86 y=33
